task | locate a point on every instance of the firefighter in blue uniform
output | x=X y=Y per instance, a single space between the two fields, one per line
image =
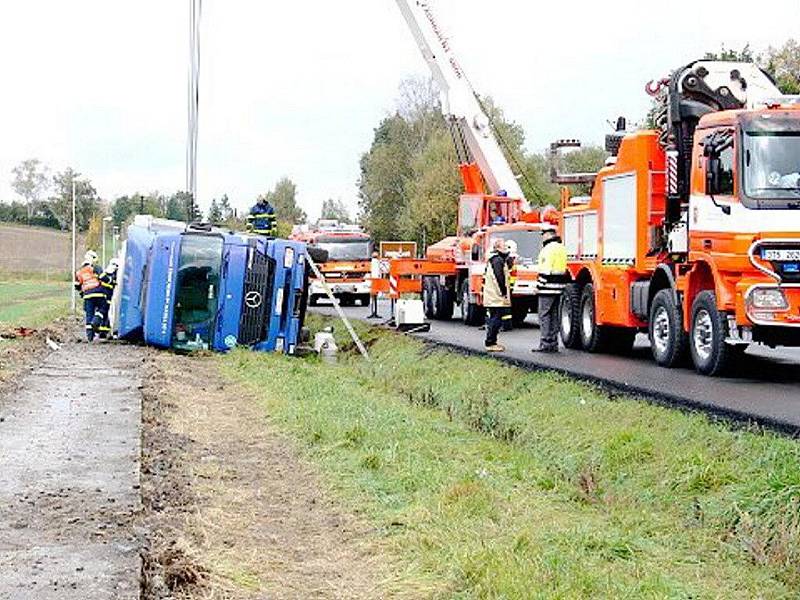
x=87 y=282
x=261 y=219
x=108 y=281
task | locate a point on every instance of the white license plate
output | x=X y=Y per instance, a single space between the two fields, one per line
x=780 y=255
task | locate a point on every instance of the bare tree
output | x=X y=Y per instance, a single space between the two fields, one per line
x=31 y=181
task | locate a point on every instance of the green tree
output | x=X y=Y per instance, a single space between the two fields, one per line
x=214 y=212
x=178 y=206
x=86 y=199
x=784 y=64
x=730 y=54
x=336 y=210
x=30 y=182
x=225 y=208
x=283 y=198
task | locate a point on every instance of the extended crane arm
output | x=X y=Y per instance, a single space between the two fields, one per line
x=459 y=103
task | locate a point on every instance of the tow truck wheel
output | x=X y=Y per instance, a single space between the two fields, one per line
x=427 y=297
x=471 y=313
x=710 y=354
x=313 y=300
x=668 y=341
x=569 y=316
x=592 y=335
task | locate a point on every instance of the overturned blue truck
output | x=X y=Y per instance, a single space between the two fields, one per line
x=196 y=287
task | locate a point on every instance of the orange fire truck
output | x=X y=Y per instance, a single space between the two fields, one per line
x=692 y=229
x=347 y=269
x=452 y=272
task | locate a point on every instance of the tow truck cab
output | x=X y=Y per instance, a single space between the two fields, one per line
x=209 y=289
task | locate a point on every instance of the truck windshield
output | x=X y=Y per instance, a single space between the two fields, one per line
x=529 y=243
x=358 y=249
x=771 y=169
x=197 y=293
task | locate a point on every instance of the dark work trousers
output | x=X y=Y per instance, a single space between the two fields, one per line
x=494 y=321
x=548 y=321
x=93 y=307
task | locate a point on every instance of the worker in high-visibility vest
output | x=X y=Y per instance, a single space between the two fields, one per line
x=496 y=294
x=552 y=279
x=108 y=281
x=262 y=219
x=87 y=282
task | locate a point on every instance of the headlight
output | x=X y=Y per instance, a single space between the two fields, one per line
x=768 y=299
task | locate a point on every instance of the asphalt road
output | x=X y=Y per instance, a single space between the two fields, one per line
x=764 y=387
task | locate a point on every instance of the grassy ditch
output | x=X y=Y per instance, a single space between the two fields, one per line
x=490 y=482
x=32 y=303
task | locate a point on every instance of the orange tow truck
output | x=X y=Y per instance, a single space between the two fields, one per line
x=692 y=229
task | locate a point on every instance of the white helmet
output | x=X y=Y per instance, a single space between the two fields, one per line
x=511 y=246
x=90 y=257
x=113 y=265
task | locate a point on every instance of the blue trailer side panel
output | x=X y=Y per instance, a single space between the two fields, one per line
x=283 y=323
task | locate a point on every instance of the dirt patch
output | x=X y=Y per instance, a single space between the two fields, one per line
x=231 y=511
x=18 y=356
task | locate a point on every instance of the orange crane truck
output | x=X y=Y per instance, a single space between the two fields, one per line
x=347 y=269
x=452 y=271
x=692 y=229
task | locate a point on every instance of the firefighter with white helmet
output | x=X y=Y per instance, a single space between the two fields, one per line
x=87 y=282
x=108 y=281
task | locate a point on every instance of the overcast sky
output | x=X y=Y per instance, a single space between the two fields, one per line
x=296 y=87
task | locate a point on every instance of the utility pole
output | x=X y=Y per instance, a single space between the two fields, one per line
x=195 y=12
x=74 y=243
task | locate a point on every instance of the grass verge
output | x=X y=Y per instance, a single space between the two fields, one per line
x=491 y=482
x=32 y=303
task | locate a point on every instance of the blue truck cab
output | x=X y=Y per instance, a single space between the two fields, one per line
x=201 y=288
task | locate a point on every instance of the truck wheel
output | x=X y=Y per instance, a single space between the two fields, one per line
x=593 y=336
x=519 y=312
x=471 y=313
x=427 y=297
x=668 y=341
x=313 y=300
x=445 y=303
x=570 y=316
x=710 y=354
x=363 y=299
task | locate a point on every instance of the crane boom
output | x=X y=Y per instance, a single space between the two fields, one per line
x=459 y=102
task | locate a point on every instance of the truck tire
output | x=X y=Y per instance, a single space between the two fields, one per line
x=570 y=316
x=446 y=303
x=471 y=313
x=313 y=300
x=707 y=332
x=427 y=297
x=593 y=336
x=364 y=299
x=519 y=311
x=668 y=340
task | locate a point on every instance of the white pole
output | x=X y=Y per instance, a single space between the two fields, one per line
x=104 y=242
x=74 y=242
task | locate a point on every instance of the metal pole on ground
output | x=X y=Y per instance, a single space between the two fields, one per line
x=74 y=243
x=359 y=344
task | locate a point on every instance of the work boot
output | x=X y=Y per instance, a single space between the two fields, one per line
x=495 y=348
x=545 y=350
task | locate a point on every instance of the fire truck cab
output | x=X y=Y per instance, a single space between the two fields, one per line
x=347 y=269
x=692 y=230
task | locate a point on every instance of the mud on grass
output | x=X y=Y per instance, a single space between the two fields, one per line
x=230 y=509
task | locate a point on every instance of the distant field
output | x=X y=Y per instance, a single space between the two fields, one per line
x=35 y=253
x=32 y=303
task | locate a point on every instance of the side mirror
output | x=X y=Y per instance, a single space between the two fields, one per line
x=712 y=173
